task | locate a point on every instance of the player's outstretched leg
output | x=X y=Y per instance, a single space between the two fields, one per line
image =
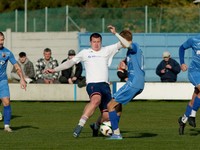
x=181 y=126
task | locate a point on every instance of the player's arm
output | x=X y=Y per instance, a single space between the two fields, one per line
x=181 y=58
x=122 y=40
x=66 y=65
x=20 y=74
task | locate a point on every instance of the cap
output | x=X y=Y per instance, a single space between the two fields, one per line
x=166 y=54
x=71 y=52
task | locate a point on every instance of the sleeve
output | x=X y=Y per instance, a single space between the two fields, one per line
x=56 y=74
x=176 y=67
x=12 y=59
x=30 y=70
x=158 y=69
x=67 y=64
x=183 y=47
x=38 y=68
x=181 y=54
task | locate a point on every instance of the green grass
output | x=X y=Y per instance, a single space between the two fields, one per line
x=145 y=125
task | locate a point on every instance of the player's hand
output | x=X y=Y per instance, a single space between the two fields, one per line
x=49 y=71
x=184 y=67
x=23 y=84
x=112 y=29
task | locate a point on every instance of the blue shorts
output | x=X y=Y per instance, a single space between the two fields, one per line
x=194 y=77
x=126 y=93
x=5 y=92
x=102 y=89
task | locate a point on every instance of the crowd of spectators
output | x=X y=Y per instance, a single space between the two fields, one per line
x=167 y=69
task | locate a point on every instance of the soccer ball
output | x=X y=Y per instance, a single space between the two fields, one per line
x=105 y=128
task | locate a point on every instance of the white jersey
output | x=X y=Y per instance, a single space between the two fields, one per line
x=96 y=62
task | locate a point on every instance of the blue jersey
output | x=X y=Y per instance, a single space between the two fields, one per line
x=194 y=68
x=5 y=56
x=135 y=83
x=194 y=43
x=135 y=66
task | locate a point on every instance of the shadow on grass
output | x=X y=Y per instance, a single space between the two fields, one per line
x=140 y=135
x=15 y=116
x=194 y=132
x=24 y=127
x=21 y=127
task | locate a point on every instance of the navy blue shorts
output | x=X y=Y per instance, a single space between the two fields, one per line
x=102 y=89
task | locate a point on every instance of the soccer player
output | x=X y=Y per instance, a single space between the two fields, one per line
x=134 y=85
x=5 y=56
x=96 y=61
x=194 y=78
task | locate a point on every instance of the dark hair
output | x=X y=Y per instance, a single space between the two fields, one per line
x=95 y=35
x=47 y=50
x=1 y=34
x=22 y=54
x=127 y=35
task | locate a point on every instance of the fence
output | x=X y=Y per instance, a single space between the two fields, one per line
x=139 y=20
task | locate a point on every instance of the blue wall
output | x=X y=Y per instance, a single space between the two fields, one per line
x=152 y=45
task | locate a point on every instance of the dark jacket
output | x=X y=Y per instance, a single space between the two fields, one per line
x=170 y=75
x=67 y=72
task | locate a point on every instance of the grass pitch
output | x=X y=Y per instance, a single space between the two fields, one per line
x=145 y=125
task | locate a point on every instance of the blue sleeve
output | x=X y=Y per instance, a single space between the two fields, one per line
x=12 y=59
x=181 y=54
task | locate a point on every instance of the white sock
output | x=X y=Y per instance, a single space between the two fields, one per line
x=6 y=126
x=83 y=120
x=184 y=119
x=117 y=131
x=193 y=113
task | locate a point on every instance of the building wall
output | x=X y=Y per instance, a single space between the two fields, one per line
x=33 y=43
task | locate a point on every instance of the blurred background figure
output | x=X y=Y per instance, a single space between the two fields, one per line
x=73 y=74
x=27 y=69
x=122 y=71
x=46 y=62
x=168 y=68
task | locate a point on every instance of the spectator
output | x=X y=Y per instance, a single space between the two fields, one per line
x=122 y=71
x=168 y=68
x=27 y=69
x=73 y=74
x=47 y=62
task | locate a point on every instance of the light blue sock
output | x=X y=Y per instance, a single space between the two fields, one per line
x=188 y=111
x=114 y=119
x=196 y=104
x=7 y=114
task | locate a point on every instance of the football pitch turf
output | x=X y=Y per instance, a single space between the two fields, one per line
x=145 y=125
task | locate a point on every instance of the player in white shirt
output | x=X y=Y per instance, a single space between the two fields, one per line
x=96 y=61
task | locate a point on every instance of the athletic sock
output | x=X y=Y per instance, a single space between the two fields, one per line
x=7 y=114
x=188 y=110
x=114 y=122
x=196 y=104
x=83 y=120
x=184 y=119
x=193 y=113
